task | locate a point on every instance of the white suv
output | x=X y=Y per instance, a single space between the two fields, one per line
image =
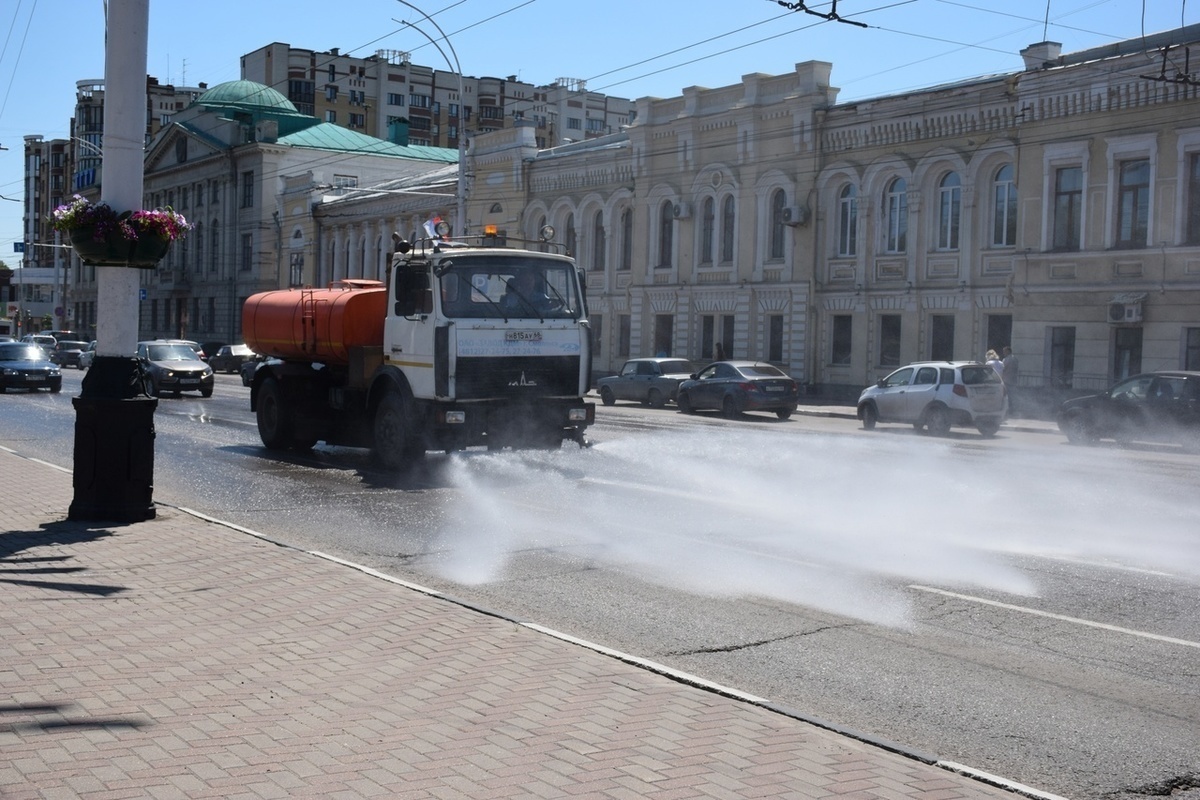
x=937 y=395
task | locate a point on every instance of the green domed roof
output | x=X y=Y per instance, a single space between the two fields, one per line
x=246 y=96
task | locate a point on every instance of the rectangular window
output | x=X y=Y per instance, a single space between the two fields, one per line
x=941 y=337
x=775 y=338
x=453 y=107
x=1062 y=357
x=727 y=321
x=418 y=101
x=358 y=120
x=624 y=330
x=1068 y=208
x=707 y=336
x=949 y=213
x=594 y=125
x=1191 y=354
x=848 y=222
x=214 y=192
x=1193 y=201
x=248 y=189
x=1127 y=353
x=574 y=124
x=394 y=99
x=664 y=334
x=331 y=116
x=247 y=258
x=597 y=324
x=840 y=339
x=1004 y=199
x=1133 y=202
x=889 y=340
x=331 y=93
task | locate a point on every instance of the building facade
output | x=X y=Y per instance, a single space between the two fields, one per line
x=1053 y=210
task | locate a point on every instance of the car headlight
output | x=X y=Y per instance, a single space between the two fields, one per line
x=9 y=372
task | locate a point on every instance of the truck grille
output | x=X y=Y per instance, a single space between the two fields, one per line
x=530 y=376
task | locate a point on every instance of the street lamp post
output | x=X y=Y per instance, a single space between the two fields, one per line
x=461 y=205
x=114 y=424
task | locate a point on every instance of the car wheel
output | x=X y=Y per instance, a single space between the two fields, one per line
x=729 y=407
x=1076 y=429
x=206 y=392
x=869 y=417
x=937 y=419
x=656 y=399
x=988 y=428
x=685 y=405
x=783 y=413
x=274 y=418
x=56 y=389
x=606 y=396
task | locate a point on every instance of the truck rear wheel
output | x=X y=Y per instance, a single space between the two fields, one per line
x=274 y=418
x=396 y=442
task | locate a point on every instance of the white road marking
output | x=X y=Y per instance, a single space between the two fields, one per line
x=1050 y=615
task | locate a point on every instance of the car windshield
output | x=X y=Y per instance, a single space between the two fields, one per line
x=677 y=367
x=974 y=376
x=762 y=371
x=72 y=345
x=487 y=286
x=170 y=352
x=21 y=352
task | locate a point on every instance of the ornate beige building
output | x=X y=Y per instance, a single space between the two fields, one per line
x=1056 y=209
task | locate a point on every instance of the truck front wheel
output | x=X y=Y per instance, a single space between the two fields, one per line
x=396 y=442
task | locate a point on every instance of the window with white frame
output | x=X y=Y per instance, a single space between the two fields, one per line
x=1068 y=208
x=666 y=231
x=728 y=221
x=1133 y=202
x=708 y=222
x=1004 y=208
x=847 y=234
x=599 y=242
x=949 y=211
x=626 y=262
x=1192 y=231
x=895 y=214
x=778 y=204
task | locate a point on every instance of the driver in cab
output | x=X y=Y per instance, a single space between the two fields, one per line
x=526 y=293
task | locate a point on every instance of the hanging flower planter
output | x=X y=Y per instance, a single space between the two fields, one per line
x=103 y=237
x=114 y=250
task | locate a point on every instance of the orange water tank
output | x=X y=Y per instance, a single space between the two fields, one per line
x=316 y=324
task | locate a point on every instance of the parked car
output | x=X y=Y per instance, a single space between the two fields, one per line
x=734 y=387
x=66 y=352
x=42 y=340
x=173 y=366
x=653 y=381
x=24 y=365
x=87 y=356
x=937 y=395
x=196 y=347
x=230 y=357
x=1154 y=406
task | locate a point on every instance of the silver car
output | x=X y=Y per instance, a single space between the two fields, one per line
x=937 y=395
x=651 y=381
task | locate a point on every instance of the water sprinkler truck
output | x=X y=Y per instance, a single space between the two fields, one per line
x=468 y=342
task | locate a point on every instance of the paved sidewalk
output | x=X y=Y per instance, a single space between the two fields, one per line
x=181 y=658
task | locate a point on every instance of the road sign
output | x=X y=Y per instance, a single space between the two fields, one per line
x=141 y=294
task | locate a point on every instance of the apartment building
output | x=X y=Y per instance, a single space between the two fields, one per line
x=371 y=94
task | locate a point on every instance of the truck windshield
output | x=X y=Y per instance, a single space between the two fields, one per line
x=483 y=286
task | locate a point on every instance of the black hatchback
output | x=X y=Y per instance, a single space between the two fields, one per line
x=1153 y=406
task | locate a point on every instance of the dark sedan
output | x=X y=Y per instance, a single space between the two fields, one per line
x=1154 y=406
x=733 y=387
x=66 y=352
x=24 y=366
x=230 y=357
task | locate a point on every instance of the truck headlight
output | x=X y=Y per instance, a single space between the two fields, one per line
x=577 y=415
x=456 y=417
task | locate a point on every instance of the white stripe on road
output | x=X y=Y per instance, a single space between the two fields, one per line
x=1038 y=613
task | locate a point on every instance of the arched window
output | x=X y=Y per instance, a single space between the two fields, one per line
x=778 y=202
x=847 y=237
x=666 y=230
x=1004 y=208
x=569 y=236
x=727 y=226
x=598 y=241
x=949 y=211
x=198 y=235
x=626 y=240
x=708 y=220
x=895 y=212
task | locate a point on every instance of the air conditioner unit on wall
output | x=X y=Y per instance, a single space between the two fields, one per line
x=795 y=215
x=1124 y=312
x=682 y=210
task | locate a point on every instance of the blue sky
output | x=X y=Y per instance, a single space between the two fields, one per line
x=620 y=47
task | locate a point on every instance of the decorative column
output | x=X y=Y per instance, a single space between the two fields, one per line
x=114 y=423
